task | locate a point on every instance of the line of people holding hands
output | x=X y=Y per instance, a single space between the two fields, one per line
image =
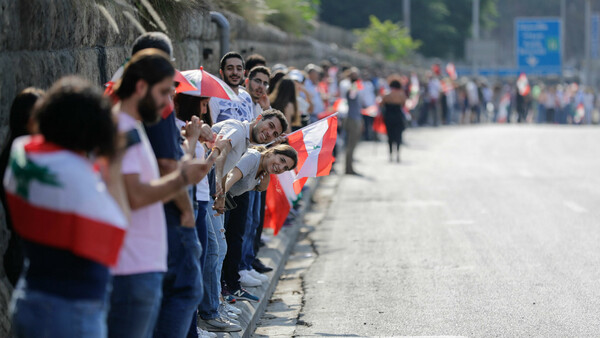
x=176 y=179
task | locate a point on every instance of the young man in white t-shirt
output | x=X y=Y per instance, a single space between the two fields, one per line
x=144 y=91
x=240 y=107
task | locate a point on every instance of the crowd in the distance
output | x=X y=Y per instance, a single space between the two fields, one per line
x=138 y=212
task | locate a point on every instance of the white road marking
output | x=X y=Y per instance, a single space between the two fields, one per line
x=575 y=207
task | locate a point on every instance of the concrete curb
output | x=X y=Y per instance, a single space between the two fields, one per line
x=275 y=254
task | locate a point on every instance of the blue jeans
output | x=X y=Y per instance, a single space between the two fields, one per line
x=134 y=304
x=252 y=223
x=218 y=223
x=202 y=229
x=210 y=272
x=182 y=286
x=40 y=314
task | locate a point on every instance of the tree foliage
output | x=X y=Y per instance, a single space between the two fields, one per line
x=441 y=25
x=386 y=39
x=293 y=16
x=296 y=16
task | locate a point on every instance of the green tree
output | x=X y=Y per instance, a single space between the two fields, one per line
x=442 y=25
x=296 y=16
x=387 y=39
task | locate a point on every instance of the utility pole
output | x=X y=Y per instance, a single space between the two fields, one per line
x=475 y=35
x=563 y=22
x=588 y=41
x=406 y=14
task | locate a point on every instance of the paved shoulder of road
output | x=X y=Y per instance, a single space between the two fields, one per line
x=480 y=231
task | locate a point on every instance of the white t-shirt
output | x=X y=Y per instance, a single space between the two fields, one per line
x=202 y=188
x=145 y=246
x=256 y=109
x=240 y=108
x=239 y=135
x=248 y=165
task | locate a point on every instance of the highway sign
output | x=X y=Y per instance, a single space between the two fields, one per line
x=538 y=45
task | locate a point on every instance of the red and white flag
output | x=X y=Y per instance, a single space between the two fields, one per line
x=451 y=70
x=314 y=144
x=579 y=113
x=523 y=85
x=58 y=200
x=277 y=205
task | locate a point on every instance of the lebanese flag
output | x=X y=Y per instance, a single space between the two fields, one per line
x=314 y=144
x=56 y=199
x=370 y=111
x=503 y=108
x=523 y=85
x=451 y=70
x=277 y=205
x=379 y=124
x=579 y=113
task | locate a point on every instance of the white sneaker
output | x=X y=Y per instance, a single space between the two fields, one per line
x=247 y=280
x=205 y=334
x=257 y=275
x=231 y=320
x=219 y=324
x=232 y=309
x=223 y=312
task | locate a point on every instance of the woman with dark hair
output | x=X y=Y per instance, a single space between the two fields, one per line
x=393 y=115
x=20 y=113
x=274 y=80
x=252 y=172
x=72 y=229
x=283 y=98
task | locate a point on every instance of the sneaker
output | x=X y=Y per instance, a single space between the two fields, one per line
x=256 y=275
x=205 y=334
x=227 y=296
x=223 y=311
x=232 y=309
x=242 y=294
x=219 y=324
x=229 y=299
x=247 y=280
x=229 y=319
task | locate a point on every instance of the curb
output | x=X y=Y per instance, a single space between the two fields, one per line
x=274 y=254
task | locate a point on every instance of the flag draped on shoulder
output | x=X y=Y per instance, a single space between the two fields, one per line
x=57 y=199
x=314 y=144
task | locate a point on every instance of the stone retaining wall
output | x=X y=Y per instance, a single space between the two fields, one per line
x=43 y=40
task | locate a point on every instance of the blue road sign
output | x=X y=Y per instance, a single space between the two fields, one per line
x=538 y=47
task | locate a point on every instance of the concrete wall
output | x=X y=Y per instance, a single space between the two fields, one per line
x=43 y=40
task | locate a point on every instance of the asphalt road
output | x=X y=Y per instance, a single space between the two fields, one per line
x=480 y=231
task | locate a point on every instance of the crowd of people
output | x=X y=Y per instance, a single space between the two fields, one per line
x=450 y=100
x=138 y=211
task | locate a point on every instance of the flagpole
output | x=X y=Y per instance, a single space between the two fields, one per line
x=292 y=133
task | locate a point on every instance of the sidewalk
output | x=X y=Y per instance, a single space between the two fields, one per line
x=274 y=254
